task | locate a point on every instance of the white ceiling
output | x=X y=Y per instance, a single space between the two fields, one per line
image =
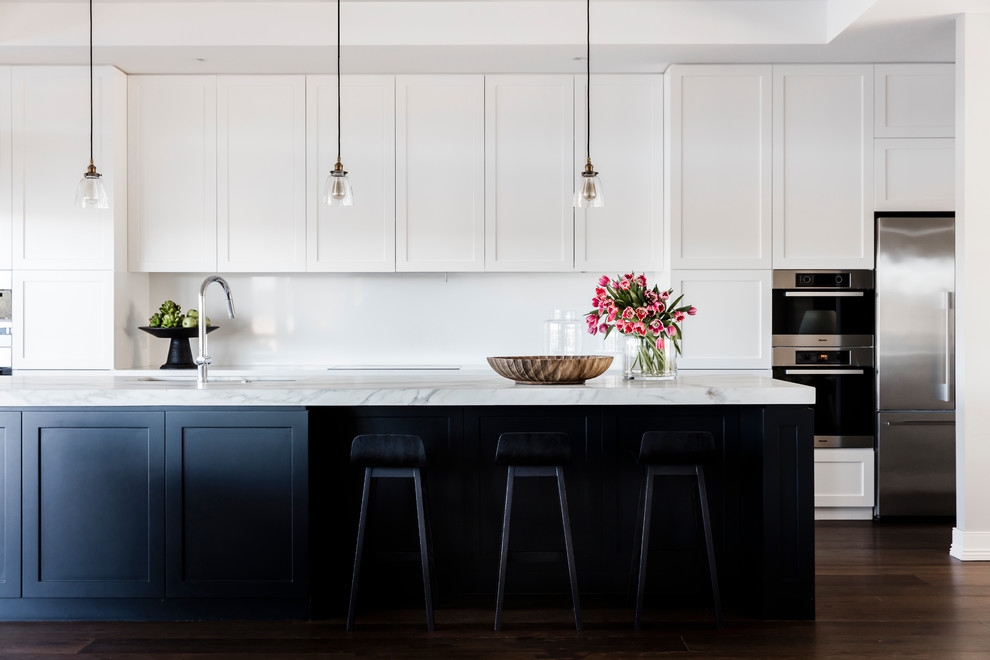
x=408 y=36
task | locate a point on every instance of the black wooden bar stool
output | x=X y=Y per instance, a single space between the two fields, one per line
x=535 y=455
x=391 y=456
x=670 y=453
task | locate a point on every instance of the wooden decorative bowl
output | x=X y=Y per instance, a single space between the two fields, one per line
x=550 y=369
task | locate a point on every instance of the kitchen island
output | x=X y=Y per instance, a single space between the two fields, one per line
x=159 y=499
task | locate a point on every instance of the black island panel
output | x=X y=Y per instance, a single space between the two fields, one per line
x=178 y=513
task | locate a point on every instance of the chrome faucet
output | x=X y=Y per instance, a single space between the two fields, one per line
x=203 y=360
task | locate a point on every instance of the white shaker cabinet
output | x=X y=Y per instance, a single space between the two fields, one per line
x=49 y=155
x=440 y=173
x=915 y=100
x=261 y=173
x=844 y=484
x=719 y=138
x=172 y=173
x=823 y=166
x=358 y=238
x=42 y=338
x=732 y=327
x=915 y=174
x=627 y=150
x=529 y=213
x=6 y=253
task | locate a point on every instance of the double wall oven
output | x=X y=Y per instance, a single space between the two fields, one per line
x=823 y=331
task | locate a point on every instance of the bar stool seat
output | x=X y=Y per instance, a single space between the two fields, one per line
x=674 y=453
x=535 y=455
x=392 y=456
x=545 y=449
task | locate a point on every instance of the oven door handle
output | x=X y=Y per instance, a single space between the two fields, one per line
x=823 y=294
x=824 y=372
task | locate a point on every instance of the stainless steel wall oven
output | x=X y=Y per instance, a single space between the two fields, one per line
x=823 y=333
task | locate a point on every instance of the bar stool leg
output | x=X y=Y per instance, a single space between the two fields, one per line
x=644 y=543
x=634 y=562
x=709 y=545
x=569 y=547
x=424 y=548
x=503 y=557
x=362 y=520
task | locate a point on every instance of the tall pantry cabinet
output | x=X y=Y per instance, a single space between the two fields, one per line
x=71 y=290
x=718 y=173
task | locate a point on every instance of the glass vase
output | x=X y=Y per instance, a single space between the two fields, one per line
x=642 y=360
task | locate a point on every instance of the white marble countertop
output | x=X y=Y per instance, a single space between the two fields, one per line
x=408 y=387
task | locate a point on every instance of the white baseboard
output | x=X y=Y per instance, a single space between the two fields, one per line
x=970 y=546
x=843 y=513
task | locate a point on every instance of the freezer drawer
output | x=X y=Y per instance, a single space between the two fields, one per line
x=916 y=464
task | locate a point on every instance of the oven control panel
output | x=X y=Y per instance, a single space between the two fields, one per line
x=821 y=357
x=822 y=280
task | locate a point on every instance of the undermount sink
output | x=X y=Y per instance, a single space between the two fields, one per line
x=219 y=379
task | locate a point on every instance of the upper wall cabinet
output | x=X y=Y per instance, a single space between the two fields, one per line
x=529 y=216
x=42 y=337
x=440 y=173
x=915 y=174
x=720 y=173
x=627 y=149
x=732 y=328
x=261 y=166
x=359 y=237
x=172 y=173
x=6 y=254
x=915 y=100
x=50 y=151
x=823 y=166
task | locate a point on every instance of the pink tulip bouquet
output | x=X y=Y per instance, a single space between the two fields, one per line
x=628 y=305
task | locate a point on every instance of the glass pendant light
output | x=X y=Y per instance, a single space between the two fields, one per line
x=589 y=191
x=90 y=193
x=337 y=189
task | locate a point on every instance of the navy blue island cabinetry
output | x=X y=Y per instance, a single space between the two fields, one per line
x=195 y=512
x=153 y=514
x=10 y=510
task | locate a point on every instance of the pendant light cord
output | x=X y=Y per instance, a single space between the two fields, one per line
x=338 y=79
x=588 y=85
x=91 y=81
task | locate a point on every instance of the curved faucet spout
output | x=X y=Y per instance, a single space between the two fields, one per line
x=203 y=360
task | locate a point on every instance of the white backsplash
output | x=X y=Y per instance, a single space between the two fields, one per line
x=388 y=318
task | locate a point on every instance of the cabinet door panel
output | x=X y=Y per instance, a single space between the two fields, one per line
x=359 y=237
x=440 y=173
x=50 y=139
x=10 y=505
x=44 y=336
x=823 y=166
x=172 y=173
x=844 y=478
x=529 y=216
x=915 y=100
x=93 y=504
x=261 y=173
x=6 y=223
x=915 y=174
x=720 y=166
x=237 y=504
x=627 y=149
x=732 y=327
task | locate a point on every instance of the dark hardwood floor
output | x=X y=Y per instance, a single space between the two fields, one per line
x=883 y=590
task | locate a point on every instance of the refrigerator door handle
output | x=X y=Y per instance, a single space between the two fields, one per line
x=944 y=389
x=823 y=294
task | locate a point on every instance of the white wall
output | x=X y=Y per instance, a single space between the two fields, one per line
x=388 y=318
x=971 y=536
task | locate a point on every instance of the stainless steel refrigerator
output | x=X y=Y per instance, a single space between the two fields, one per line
x=915 y=344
